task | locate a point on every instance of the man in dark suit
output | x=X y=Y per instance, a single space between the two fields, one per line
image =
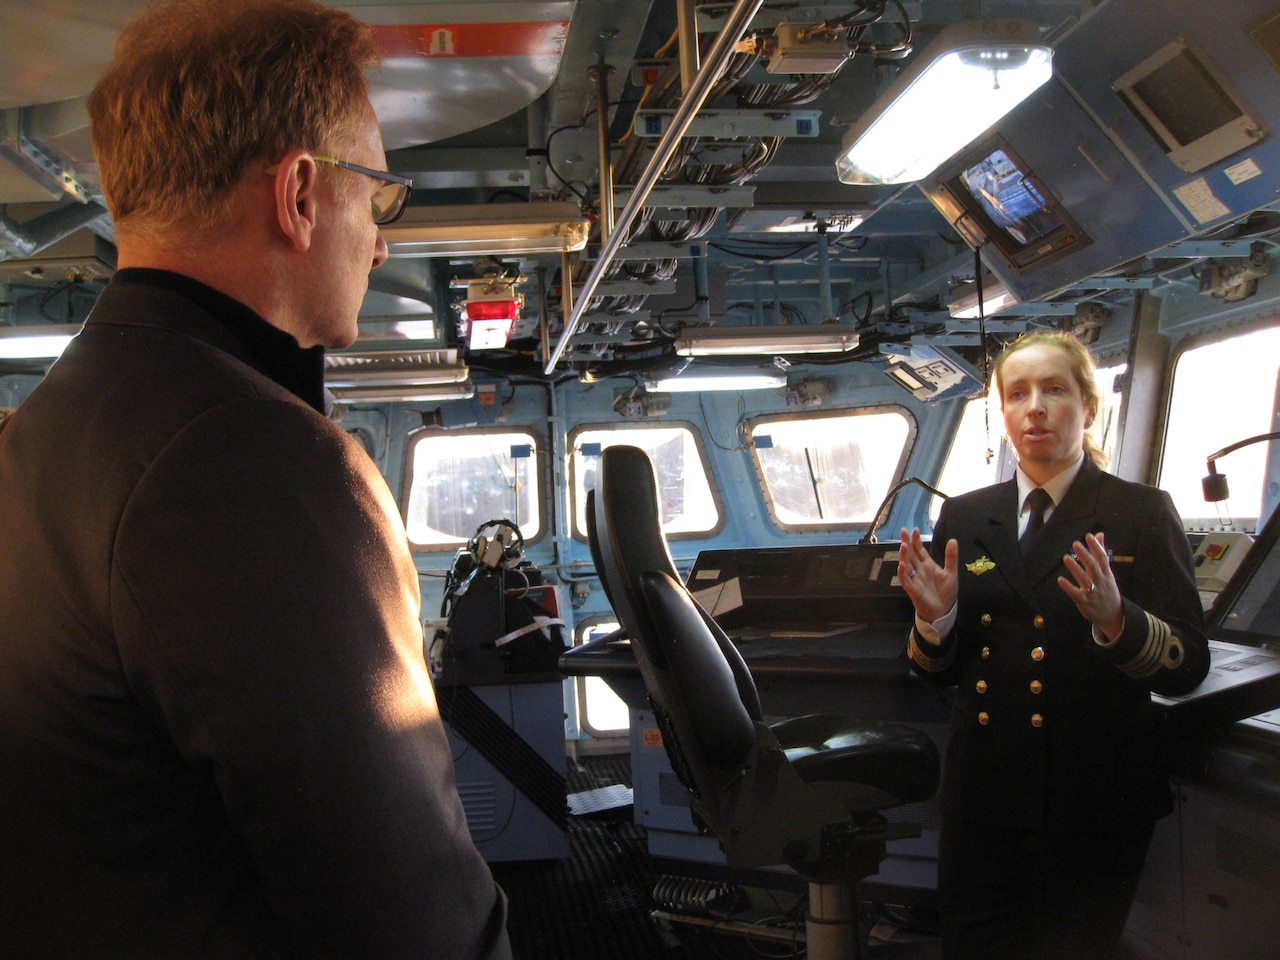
x=1055 y=621
x=218 y=736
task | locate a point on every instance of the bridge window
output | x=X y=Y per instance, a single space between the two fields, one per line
x=689 y=503
x=977 y=452
x=830 y=470
x=1223 y=393
x=460 y=480
x=601 y=712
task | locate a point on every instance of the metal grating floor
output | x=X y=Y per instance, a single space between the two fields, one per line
x=610 y=901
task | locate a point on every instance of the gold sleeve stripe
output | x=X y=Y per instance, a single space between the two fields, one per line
x=1162 y=651
x=930 y=664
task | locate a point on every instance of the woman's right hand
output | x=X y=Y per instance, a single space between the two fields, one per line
x=932 y=589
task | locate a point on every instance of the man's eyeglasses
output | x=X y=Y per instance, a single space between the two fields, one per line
x=389 y=200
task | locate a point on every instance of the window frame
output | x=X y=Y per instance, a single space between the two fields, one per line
x=899 y=471
x=538 y=455
x=1211 y=519
x=572 y=446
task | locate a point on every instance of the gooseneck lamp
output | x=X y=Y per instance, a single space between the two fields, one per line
x=1215 y=484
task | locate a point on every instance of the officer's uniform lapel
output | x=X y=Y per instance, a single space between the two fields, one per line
x=1071 y=519
x=998 y=540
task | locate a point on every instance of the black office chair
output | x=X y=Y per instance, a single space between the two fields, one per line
x=805 y=792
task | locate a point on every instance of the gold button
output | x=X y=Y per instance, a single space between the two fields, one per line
x=1037 y=720
x=1037 y=621
x=1037 y=654
x=981 y=686
x=1036 y=686
x=985 y=620
x=984 y=718
x=986 y=653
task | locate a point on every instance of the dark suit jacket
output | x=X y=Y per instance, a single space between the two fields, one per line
x=217 y=734
x=1050 y=730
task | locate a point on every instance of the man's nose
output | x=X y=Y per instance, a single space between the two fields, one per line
x=380 y=252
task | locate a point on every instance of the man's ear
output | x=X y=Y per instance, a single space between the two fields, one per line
x=297 y=207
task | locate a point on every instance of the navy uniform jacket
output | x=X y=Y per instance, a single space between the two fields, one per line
x=218 y=738
x=1050 y=730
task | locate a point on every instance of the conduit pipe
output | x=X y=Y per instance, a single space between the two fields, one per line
x=736 y=23
x=600 y=74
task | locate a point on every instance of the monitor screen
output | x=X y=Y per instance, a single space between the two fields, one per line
x=1248 y=609
x=1186 y=98
x=998 y=203
x=1004 y=192
x=1188 y=106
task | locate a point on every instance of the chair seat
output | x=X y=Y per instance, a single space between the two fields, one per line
x=899 y=760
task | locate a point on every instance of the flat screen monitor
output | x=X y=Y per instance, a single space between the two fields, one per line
x=1186 y=104
x=997 y=202
x=1248 y=609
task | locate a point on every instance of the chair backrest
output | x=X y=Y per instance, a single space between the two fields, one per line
x=697 y=685
x=767 y=802
x=702 y=691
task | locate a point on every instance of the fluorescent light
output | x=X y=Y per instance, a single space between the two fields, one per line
x=390 y=393
x=378 y=331
x=699 y=382
x=384 y=369
x=44 y=342
x=766 y=341
x=995 y=297
x=971 y=75
x=806 y=224
x=484 y=229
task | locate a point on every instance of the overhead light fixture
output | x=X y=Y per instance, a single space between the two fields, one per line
x=392 y=393
x=840 y=223
x=732 y=380
x=488 y=229
x=43 y=342
x=373 y=368
x=392 y=330
x=778 y=340
x=995 y=298
x=971 y=75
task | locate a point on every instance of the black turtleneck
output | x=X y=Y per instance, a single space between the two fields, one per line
x=269 y=349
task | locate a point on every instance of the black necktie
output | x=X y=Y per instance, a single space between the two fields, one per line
x=1037 y=500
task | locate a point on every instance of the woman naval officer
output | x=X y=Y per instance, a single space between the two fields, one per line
x=1054 y=775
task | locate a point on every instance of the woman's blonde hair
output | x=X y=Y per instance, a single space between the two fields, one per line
x=200 y=92
x=1083 y=371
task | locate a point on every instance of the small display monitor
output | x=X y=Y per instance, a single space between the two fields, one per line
x=997 y=202
x=1248 y=609
x=1188 y=106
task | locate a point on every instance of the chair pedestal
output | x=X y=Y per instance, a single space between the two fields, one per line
x=831 y=923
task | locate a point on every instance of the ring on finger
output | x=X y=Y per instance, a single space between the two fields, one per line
x=1089 y=588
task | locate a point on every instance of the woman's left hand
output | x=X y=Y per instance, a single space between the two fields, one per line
x=1094 y=591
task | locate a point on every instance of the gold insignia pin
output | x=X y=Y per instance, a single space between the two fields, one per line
x=980 y=566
